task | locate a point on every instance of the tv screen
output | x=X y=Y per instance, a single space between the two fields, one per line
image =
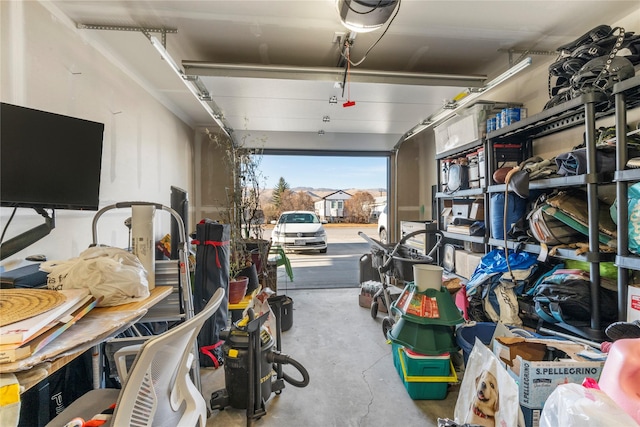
x=49 y=160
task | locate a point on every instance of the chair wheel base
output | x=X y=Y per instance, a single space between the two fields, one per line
x=219 y=399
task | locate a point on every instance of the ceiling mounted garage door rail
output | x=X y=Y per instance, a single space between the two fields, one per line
x=203 y=68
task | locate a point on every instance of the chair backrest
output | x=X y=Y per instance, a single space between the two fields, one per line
x=159 y=390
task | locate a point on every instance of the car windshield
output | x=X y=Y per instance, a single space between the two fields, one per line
x=298 y=218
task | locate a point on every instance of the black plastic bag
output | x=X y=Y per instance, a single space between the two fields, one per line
x=566 y=295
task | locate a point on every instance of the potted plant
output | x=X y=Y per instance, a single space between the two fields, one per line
x=242 y=210
x=238 y=277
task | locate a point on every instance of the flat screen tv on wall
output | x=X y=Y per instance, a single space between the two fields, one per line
x=48 y=160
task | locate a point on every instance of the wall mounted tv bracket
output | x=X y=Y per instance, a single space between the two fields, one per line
x=29 y=237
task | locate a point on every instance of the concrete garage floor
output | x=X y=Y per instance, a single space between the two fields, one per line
x=353 y=381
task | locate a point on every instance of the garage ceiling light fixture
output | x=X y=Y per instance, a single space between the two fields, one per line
x=194 y=85
x=464 y=98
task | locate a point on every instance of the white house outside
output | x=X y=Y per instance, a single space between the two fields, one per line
x=330 y=208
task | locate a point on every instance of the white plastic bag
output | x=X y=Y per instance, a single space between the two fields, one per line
x=111 y=273
x=260 y=305
x=488 y=395
x=573 y=405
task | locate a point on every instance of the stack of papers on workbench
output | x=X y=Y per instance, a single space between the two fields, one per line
x=25 y=337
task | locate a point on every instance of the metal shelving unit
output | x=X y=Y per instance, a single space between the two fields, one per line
x=559 y=182
x=627 y=96
x=581 y=111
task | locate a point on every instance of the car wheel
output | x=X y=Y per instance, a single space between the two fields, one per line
x=383 y=235
x=323 y=251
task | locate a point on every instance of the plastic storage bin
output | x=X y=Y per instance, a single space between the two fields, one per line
x=466 y=336
x=424 y=377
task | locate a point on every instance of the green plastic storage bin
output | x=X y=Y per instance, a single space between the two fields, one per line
x=432 y=374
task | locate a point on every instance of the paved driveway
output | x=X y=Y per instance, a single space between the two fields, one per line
x=338 y=268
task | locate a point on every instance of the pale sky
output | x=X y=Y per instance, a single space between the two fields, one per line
x=325 y=172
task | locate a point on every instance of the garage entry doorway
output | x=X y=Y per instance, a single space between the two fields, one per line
x=319 y=175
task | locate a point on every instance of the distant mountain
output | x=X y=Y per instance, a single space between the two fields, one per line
x=318 y=193
x=374 y=191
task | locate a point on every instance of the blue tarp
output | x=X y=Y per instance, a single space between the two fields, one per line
x=495 y=262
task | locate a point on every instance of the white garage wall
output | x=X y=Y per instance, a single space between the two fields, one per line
x=47 y=65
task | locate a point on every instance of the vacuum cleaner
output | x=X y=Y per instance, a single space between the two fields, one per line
x=253 y=367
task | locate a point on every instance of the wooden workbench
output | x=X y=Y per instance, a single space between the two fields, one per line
x=94 y=328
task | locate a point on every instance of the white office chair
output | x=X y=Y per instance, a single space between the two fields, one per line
x=158 y=389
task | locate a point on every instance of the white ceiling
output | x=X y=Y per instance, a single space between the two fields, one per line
x=451 y=38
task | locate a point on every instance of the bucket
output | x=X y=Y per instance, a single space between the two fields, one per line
x=252 y=273
x=367 y=271
x=427 y=276
x=466 y=336
x=516 y=209
x=282 y=307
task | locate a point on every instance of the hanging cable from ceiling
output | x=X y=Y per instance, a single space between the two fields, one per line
x=342 y=52
x=346 y=81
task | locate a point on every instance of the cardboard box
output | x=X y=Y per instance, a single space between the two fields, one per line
x=460 y=262
x=474 y=247
x=477 y=210
x=466 y=262
x=507 y=348
x=537 y=379
x=633 y=303
x=473 y=259
x=460 y=210
x=447 y=215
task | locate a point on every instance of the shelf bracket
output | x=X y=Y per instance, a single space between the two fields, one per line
x=524 y=52
x=144 y=30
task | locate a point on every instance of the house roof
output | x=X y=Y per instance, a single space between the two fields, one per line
x=328 y=196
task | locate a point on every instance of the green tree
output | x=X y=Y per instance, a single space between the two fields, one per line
x=281 y=187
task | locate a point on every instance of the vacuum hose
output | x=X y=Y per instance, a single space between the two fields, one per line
x=283 y=359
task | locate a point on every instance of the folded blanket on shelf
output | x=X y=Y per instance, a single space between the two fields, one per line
x=575 y=162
